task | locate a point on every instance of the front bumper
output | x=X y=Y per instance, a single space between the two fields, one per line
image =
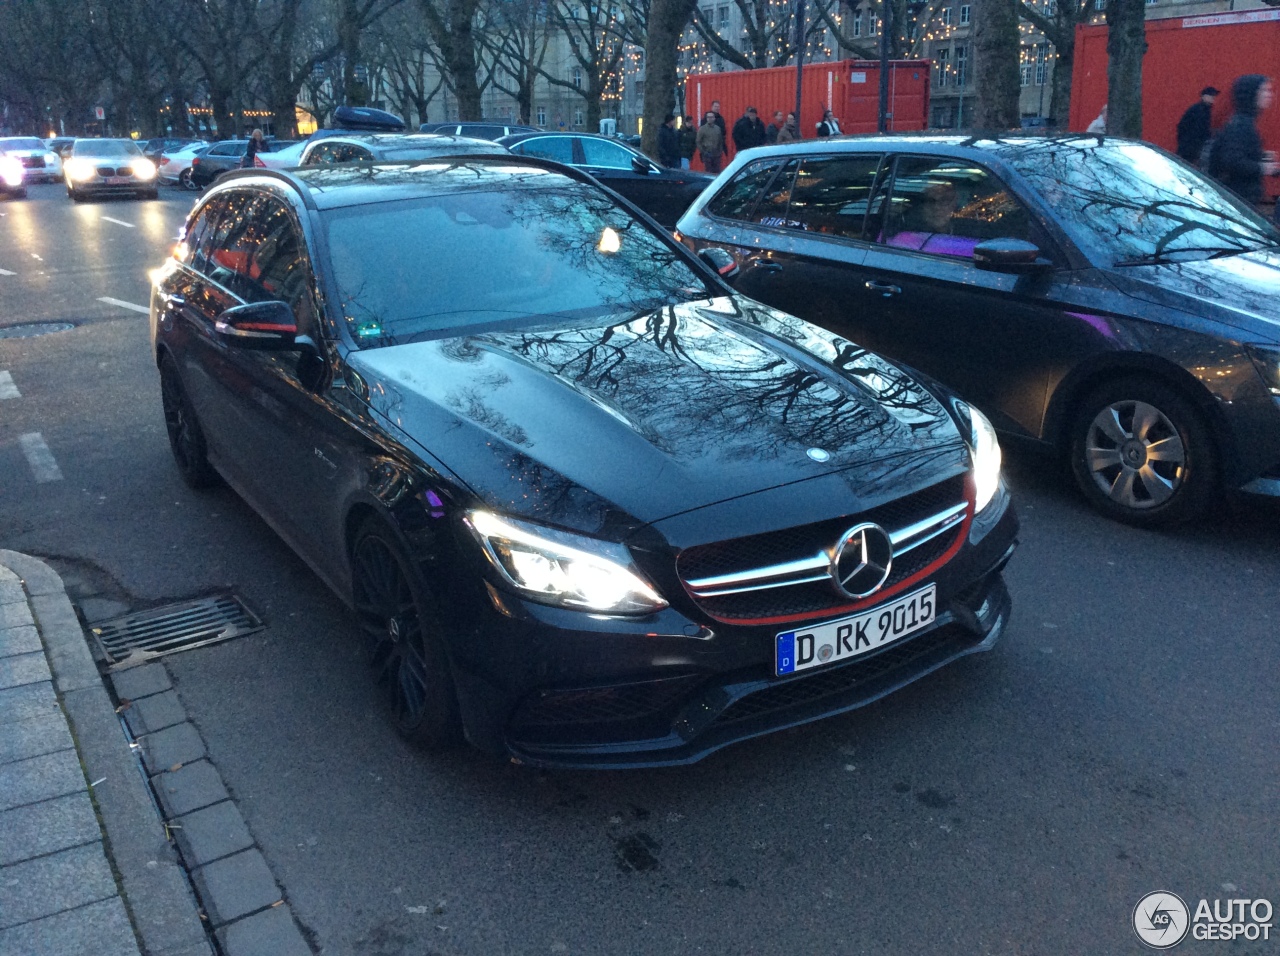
x=618 y=699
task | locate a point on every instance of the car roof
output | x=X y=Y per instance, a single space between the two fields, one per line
x=958 y=144
x=355 y=184
x=408 y=140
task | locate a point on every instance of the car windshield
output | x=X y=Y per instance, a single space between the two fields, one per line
x=417 y=268
x=106 y=148
x=21 y=142
x=1126 y=203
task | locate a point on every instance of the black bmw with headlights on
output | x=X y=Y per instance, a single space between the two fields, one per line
x=589 y=507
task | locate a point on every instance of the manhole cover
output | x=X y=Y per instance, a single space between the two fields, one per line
x=32 y=329
x=176 y=627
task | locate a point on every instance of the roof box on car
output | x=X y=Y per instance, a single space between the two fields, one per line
x=368 y=119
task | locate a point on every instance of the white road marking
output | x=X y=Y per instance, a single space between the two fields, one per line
x=6 y=272
x=119 y=222
x=43 y=465
x=124 y=305
x=7 y=388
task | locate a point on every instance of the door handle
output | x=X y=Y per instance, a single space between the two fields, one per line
x=885 y=289
x=769 y=267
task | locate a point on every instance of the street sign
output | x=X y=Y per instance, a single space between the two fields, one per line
x=99 y=113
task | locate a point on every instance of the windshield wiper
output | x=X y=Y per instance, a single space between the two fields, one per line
x=1207 y=252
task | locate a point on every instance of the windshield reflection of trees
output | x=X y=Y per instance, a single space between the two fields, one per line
x=1110 y=192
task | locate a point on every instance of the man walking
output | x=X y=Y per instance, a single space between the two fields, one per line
x=748 y=132
x=1237 y=159
x=1194 y=130
x=771 y=131
x=669 y=143
x=688 y=141
x=724 y=129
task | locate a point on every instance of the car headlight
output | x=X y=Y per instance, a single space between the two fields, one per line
x=144 y=169
x=985 y=449
x=568 y=570
x=1267 y=361
x=10 y=171
x=79 y=169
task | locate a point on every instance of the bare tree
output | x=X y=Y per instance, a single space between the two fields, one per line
x=768 y=31
x=1126 y=46
x=452 y=26
x=665 y=21
x=997 y=48
x=1060 y=30
x=593 y=31
x=516 y=37
x=409 y=61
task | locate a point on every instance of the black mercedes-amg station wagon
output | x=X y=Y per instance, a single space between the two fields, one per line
x=590 y=507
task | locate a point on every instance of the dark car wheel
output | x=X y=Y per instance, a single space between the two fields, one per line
x=186 y=182
x=1142 y=454
x=186 y=439
x=397 y=614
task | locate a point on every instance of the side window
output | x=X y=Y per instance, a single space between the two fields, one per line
x=195 y=245
x=832 y=194
x=556 y=148
x=278 y=268
x=235 y=240
x=948 y=206
x=606 y=155
x=228 y=149
x=772 y=208
x=321 y=153
x=738 y=198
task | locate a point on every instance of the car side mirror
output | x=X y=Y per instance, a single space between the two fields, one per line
x=640 y=166
x=268 y=326
x=1015 y=256
x=726 y=266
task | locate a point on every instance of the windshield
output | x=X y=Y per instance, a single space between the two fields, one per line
x=1126 y=202
x=417 y=268
x=21 y=142
x=106 y=148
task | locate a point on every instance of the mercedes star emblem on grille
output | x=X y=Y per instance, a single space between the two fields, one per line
x=862 y=560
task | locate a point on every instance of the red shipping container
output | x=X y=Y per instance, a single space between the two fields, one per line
x=1184 y=55
x=851 y=87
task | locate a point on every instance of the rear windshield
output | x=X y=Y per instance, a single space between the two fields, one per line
x=21 y=142
x=106 y=148
x=418 y=268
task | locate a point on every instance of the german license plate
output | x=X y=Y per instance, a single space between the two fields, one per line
x=849 y=637
x=117 y=180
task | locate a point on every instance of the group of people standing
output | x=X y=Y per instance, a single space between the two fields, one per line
x=710 y=140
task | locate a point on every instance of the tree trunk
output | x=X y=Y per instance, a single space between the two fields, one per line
x=1126 y=45
x=220 y=103
x=593 y=98
x=1060 y=92
x=996 y=50
x=667 y=20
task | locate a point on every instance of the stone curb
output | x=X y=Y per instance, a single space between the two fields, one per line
x=160 y=900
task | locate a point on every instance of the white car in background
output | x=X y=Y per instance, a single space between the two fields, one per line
x=175 y=167
x=286 y=158
x=39 y=163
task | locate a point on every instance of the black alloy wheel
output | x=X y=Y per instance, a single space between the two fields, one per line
x=397 y=615
x=186 y=439
x=1142 y=454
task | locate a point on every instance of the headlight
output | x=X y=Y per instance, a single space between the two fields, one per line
x=985 y=448
x=79 y=169
x=1267 y=361
x=569 y=570
x=10 y=171
x=144 y=169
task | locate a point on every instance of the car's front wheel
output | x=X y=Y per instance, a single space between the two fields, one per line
x=185 y=180
x=398 y=615
x=1142 y=453
x=186 y=438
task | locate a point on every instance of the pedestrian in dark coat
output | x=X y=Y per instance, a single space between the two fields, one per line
x=669 y=143
x=771 y=131
x=1237 y=159
x=256 y=144
x=829 y=126
x=748 y=132
x=688 y=142
x=1194 y=129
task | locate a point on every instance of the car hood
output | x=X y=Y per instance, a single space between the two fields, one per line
x=606 y=425
x=1241 y=291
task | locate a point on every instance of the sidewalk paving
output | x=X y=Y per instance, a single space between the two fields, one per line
x=79 y=833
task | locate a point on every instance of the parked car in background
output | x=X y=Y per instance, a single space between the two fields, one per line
x=284 y=158
x=12 y=181
x=480 y=130
x=590 y=507
x=154 y=149
x=109 y=167
x=1095 y=296
x=222 y=157
x=393 y=147
x=661 y=192
x=39 y=163
x=176 y=167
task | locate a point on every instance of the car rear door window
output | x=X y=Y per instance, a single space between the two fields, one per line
x=194 y=250
x=738 y=198
x=604 y=154
x=831 y=194
x=228 y=149
x=947 y=206
x=772 y=208
x=558 y=149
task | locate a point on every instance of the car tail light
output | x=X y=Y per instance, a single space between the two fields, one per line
x=258 y=163
x=195 y=161
x=162 y=160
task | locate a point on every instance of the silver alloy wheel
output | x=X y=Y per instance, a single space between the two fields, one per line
x=1135 y=454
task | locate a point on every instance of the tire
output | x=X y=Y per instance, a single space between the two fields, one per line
x=1115 y=431
x=399 y=616
x=186 y=438
x=74 y=195
x=186 y=182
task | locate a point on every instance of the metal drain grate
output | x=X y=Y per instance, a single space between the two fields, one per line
x=29 y=330
x=176 y=627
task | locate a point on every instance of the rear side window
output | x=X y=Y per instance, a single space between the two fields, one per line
x=555 y=148
x=738 y=198
x=229 y=149
x=484 y=132
x=774 y=202
x=605 y=155
x=195 y=247
x=831 y=195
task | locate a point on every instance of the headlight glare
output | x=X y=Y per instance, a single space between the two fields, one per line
x=985 y=449
x=144 y=169
x=568 y=570
x=10 y=171
x=80 y=169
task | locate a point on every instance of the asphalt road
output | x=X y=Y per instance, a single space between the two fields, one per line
x=1122 y=737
